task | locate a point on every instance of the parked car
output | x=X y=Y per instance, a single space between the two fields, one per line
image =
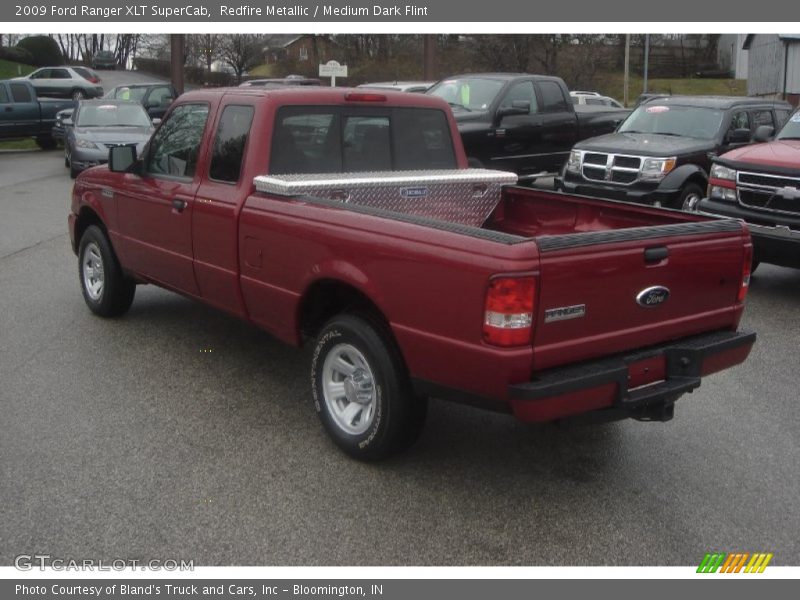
x=104 y=59
x=417 y=277
x=660 y=154
x=102 y=124
x=523 y=123
x=23 y=115
x=581 y=98
x=417 y=87
x=280 y=81
x=66 y=82
x=59 y=130
x=760 y=184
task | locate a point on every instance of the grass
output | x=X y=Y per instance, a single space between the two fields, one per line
x=611 y=84
x=262 y=71
x=23 y=144
x=10 y=69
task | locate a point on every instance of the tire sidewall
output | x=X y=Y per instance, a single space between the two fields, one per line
x=687 y=189
x=358 y=333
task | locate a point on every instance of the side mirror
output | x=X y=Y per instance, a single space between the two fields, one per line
x=518 y=107
x=763 y=133
x=739 y=136
x=121 y=158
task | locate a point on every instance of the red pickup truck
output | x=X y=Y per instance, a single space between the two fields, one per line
x=351 y=221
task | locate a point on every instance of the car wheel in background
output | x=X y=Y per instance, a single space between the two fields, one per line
x=78 y=94
x=690 y=195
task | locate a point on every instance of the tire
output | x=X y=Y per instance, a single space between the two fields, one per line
x=78 y=94
x=690 y=195
x=46 y=142
x=97 y=264
x=73 y=172
x=361 y=391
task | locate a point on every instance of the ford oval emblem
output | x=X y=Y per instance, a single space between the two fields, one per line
x=652 y=296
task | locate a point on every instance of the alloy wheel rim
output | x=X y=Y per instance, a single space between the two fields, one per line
x=93 y=271
x=348 y=387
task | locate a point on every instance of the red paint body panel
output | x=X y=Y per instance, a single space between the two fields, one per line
x=257 y=256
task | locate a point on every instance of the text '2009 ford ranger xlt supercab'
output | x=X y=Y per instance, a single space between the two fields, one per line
x=351 y=220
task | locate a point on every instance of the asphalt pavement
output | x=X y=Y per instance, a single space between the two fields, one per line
x=179 y=432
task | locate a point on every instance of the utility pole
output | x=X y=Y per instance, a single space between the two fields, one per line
x=429 y=57
x=176 y=58
x=646 y=60
x=626 y=78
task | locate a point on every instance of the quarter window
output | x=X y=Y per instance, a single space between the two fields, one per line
x=20 y=92
x=231 y=139
x=552 y=97
x=175 y=145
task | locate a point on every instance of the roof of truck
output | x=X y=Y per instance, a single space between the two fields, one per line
x=719 y=102
x=319 y=95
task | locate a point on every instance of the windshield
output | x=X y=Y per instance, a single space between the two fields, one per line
x=684 y=121
x=790 y=131
x=469 y=93
x=112 y=115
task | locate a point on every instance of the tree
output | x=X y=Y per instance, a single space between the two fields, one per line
x=241 y=52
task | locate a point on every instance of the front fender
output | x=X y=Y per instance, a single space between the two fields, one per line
x=676 y=178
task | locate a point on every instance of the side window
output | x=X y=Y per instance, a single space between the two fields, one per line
x=740 y=120
x=763 y=117
x=306 y=140
x=229 y=144
x=522 y=91
x=41 y=74
x=3 y=95
x=366 y=144
x=159 y=96
x=174 y=148
x=59 y=74
x=781 y=116
x=552 y=97
x=20 y=92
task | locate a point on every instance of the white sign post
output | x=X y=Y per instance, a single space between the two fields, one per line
x=333 y=70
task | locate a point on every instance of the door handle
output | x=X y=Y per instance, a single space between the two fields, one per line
x=178 y=205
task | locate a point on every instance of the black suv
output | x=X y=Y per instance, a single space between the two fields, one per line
x=661 y=154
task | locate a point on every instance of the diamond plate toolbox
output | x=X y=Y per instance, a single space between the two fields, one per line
x=466 y=196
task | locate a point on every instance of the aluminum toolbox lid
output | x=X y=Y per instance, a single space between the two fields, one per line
x=300 y=184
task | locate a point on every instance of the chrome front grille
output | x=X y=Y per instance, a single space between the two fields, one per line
x=611 y=168
x=766 y=192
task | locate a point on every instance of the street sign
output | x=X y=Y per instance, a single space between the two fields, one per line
x=333 y=70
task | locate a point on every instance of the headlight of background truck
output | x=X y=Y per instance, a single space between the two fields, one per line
x=654 y=169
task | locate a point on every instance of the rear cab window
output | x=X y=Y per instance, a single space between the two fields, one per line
x=336 y=139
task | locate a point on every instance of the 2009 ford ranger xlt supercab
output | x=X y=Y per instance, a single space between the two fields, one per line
x=350 y=220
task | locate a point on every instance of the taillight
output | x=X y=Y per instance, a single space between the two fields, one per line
x=747 y=262
x=508 y=318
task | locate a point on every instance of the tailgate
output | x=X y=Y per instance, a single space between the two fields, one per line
x=607 y=292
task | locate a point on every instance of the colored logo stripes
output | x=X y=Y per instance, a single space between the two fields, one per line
x=734 y=562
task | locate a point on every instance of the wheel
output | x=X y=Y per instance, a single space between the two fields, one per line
x=73 y=172
x=690 y=195
x=45 y=142
x=105 y=288
x=78 y=94
x=361 y=391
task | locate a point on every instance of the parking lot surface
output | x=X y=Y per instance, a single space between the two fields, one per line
x=177 y=431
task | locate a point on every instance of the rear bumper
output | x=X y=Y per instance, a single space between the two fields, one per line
x=605 y=385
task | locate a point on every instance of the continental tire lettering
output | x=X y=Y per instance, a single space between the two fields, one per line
x=378 y=415
x=315 y=361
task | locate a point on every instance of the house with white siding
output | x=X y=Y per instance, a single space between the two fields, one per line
x=773 y=66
